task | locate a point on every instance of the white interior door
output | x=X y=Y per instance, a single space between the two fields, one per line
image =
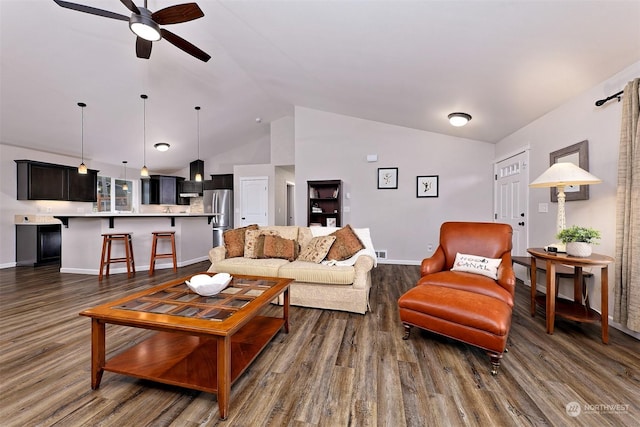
x=510 y=195
x=254 y=200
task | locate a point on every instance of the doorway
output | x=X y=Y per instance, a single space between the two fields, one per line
x=254 y=200
x=511 y=195
x=290 y=202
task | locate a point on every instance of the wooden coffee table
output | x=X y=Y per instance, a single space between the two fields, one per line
x=203 y=343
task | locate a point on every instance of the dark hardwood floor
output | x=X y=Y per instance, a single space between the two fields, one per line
x=332 y=369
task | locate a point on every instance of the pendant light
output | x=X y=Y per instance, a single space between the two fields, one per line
x=82 y=169
x=198 y=176
x=125 y=187
x=144 y=172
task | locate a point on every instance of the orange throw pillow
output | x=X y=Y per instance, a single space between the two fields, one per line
x=234 y=240
x=347 y=244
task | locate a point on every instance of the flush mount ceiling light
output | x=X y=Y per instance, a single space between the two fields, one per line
x=161 y=146
x=459 y=119
x=82 y=169
x=144 y=172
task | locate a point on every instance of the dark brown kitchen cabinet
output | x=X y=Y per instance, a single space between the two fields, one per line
x=83 y=188
x=48 y=181
x=160 y=190
x=38 y=244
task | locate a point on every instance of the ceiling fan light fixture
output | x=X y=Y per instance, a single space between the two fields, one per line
x=161 y=146
x=459 y=119
x=144 y=27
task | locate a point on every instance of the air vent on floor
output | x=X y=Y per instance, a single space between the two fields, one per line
x=381 y=254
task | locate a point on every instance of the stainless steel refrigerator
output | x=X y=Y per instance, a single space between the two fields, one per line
x=219 y=202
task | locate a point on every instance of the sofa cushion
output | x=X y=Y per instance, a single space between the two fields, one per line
x=254 y=267
x=284 y=231
x=477 y=264
x=468 y=282
x=347 y=244
x=317 y=249
x=234 y=240
x=278 y=247
x=310 y=272
x=254 y=242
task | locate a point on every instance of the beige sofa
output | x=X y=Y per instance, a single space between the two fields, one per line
x=342 y=286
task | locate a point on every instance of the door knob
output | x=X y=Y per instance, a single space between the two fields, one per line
x=522 y=214
x=521 y=223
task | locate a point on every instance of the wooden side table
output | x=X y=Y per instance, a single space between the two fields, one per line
x=573 y=310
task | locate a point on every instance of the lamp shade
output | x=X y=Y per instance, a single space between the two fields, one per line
x=563 y=174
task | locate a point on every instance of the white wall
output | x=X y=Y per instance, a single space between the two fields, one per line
x=333 y=146
x=575 y=121
x=283 y=141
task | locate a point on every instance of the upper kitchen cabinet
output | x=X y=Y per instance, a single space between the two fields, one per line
x=48 y=181
x=83 y=188
x=160 y=190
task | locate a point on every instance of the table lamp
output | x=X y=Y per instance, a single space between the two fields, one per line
x=560 y=175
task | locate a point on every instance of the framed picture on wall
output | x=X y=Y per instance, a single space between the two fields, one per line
x=578 y=154
x=427 y=186
x=388 y=178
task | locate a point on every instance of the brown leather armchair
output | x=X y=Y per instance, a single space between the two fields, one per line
x=468 y=307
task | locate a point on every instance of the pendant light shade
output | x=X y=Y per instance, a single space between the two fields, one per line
x=198 y=176
x=82 y=169
x=125 y=187
x=144 y=172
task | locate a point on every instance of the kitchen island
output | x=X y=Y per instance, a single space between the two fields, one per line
x=82 y=240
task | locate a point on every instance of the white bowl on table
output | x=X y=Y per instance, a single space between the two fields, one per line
x=206 y=285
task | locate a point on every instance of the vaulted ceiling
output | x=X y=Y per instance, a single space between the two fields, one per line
x=408 y=63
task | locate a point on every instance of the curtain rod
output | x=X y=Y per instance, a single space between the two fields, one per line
x=600 y=102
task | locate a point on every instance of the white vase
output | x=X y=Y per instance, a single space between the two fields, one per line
x=579 y=249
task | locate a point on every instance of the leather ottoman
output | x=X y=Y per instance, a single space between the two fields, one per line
x=476 y=319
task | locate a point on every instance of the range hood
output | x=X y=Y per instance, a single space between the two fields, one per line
x=193 y=188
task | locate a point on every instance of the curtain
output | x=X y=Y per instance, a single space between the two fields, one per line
x=627 y=285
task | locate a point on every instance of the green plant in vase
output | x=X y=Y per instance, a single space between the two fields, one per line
x=579 y=240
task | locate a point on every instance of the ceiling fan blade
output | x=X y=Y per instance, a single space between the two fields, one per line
x=91 y=10
x=177 y=14
x=143 y=48
x=131 y=6
x=181 y=43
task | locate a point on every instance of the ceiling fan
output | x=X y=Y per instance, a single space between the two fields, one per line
x=146 y=25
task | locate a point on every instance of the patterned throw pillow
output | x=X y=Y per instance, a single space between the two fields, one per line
x=477 y=264
x=277 y=247
x=234 y=240
x=254 y=242
x=346 y=245
x=317 y=249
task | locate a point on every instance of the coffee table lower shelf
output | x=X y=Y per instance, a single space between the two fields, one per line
x=191 y=361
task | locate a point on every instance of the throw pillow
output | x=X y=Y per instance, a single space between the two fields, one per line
x=254 y=242
x=317 y=249
x=234 y=240
x=346 y=245
x=477 y=264
x=277 y=247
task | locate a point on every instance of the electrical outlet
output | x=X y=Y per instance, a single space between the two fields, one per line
x=543 y=207
x=430 y=247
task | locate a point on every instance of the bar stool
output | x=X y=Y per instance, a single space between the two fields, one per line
x=105 y=259
x=154 y=249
